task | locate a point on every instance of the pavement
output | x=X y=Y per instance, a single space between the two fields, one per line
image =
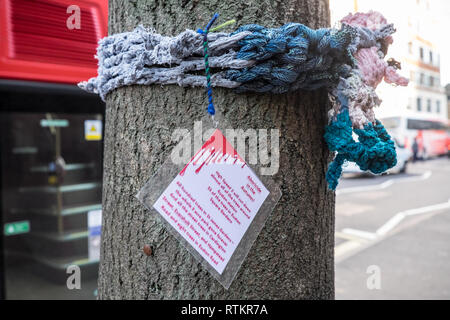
x=393 y=234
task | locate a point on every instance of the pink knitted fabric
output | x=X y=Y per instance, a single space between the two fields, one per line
x=372 y=20
x=374 y=69
x=391 y=76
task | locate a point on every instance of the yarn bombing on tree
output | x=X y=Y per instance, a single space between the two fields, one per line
x=349 y=62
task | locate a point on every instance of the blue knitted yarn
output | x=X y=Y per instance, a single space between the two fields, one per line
x=292 y=57
x=374 y=152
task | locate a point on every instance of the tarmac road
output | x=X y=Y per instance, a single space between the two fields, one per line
x=393 y=234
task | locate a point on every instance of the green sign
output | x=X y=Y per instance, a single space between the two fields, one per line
x=54 y=123
x=18 y=227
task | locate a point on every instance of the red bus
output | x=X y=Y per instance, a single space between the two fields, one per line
x=38 y=45
x=432 y=135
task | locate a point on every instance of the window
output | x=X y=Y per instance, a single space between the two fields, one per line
x=421 y=53
x=419 y=104
x=410 y=47
x=431 y=57
x=438 y=106
x=414 y=124
x=422 y=79
x=429 y=105
x=431 y=81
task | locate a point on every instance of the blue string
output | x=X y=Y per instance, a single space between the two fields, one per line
x=211 y=109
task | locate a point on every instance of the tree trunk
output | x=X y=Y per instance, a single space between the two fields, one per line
x=292 y=257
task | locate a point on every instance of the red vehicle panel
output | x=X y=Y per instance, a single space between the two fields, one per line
x=38 y=45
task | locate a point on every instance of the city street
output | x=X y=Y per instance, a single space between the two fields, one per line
x=399 y=226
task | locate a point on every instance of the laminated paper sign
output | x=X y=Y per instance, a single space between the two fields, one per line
x=213 y=200
x=212 y=206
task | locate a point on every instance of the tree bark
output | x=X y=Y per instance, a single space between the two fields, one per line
x=292 y=257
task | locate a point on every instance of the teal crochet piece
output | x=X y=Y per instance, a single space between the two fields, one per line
x=374 y=152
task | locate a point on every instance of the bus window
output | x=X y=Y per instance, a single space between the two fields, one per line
x=414 y=124
x=391 y=123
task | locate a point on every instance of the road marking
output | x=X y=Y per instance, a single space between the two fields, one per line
x=385 y=184
x=351 y=237
x=358 y=238
x=427 y=175
x=360 y=234
x=395 y=220
x=381 y=186
x=435 y=207
x=345 y=247
x=390 y=224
